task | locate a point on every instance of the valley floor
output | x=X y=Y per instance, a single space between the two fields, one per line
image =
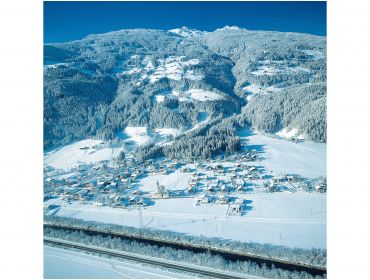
x=291 y=217
x=288 y=219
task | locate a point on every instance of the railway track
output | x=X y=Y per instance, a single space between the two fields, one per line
x=228 y=255
x=206 y=272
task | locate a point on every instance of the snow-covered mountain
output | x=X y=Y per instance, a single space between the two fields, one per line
x=97 y=86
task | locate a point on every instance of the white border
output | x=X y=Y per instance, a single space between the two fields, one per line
x=21 y=139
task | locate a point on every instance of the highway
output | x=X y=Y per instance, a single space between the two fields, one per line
x=194 y=269
x=198 y=248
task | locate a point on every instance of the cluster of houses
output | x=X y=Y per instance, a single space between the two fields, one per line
x=210 y=181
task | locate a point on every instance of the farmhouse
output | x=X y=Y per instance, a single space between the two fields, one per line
x=321 y=188
x=223 y=199
x=204 y=199
x=135 y=199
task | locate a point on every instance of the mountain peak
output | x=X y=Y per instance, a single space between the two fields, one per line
x=186 y=31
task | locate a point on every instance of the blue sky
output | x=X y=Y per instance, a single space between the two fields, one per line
x=65 y=21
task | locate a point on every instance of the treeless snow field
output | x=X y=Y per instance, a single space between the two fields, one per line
x=288 y=219
x=87 y=151
x=282 y=156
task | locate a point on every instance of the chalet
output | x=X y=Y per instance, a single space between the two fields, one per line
x=136 y=192
x=80 y=195
x=173 y=165
x=235 y=208
x=209 y=168
x=204 y=199
x=223 y=199
x=211 y=188
x=185 y=170
x=251 y=168
x=292 y=178
x=193 y=184
x=279 y=179
x=232 y=170
x=98 y=203
x=224 y=188
x=219 y=167
x=191 y=189
x=321 y=188
x=135 y=199
x=163 y=170
x=273 y=187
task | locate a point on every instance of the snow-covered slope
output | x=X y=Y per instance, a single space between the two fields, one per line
x=282 y=156
x=85 y=151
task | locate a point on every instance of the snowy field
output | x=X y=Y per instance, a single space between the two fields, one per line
x=288 y=219
x=68 y=264
x=85 y=151
x=282 y=156
x=92 y=151
x=253 y=89
x=272 y=67
x=286 y=133
x=174 y=68
x=314 y=55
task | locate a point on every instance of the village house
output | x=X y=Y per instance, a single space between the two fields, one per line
x=204 y=199
x=135 y=199
x=321 y=188
x=279 y=179
x=223 y=199
x=191 y=190
x=185 y=170
x=292 y=178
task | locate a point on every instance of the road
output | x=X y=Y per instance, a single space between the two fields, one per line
x=176 y=266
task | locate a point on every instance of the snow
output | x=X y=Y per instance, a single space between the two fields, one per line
x=282 y=156
x=68 y=264
x=137 y=134
x=140 y=135
x=203 y=118
x=315 y=55
x=288 y=219
x=203 y=95
x=186 y=32
x=160 y=98
x=288 y=134
x=272 y=67
x=168 y=131
x=253 y=89
x=70 y=155
x=198 y=95
x=174 y=67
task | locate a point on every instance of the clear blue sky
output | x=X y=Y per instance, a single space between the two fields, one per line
x=65 y=21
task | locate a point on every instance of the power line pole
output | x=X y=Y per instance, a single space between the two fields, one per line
x=141 y=217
